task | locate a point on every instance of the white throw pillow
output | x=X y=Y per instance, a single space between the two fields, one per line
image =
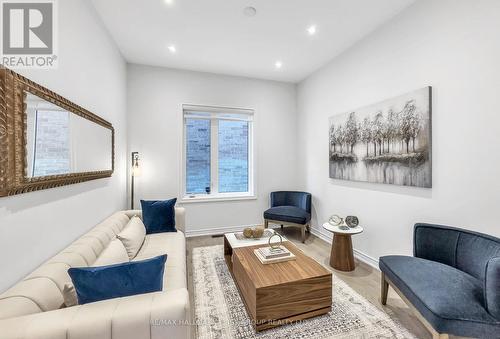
x=69 y=295
x=133 y=236
x=115 y=253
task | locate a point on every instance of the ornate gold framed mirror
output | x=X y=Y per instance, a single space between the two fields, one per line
x=46 y=140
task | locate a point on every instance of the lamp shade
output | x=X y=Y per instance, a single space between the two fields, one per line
x=136 y=170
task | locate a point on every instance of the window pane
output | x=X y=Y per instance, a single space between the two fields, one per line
x=51 y=149
x=233 y=156
x=197 y=155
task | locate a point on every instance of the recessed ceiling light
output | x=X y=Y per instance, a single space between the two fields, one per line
x=278 y=64
x=311 y=30
x=172 y=49
x=249 y=11
x=169 y=2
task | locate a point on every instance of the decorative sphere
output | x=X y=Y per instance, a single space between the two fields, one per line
x=247 y=232
x=258 y=232
x=352 y=221
x=336 y=220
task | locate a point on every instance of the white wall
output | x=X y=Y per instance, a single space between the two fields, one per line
x=155 y=98
x=91 y=73
x=453 y=46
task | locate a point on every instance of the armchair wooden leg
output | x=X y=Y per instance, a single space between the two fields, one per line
x=384 y=289
x=266 y=223
x=303 y=231
x=383 y=299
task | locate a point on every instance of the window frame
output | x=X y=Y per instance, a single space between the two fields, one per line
x=214 y=159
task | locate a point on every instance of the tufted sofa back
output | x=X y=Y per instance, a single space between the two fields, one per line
x=41 y=290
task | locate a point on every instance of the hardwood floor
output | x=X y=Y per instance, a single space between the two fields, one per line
x=364 y=279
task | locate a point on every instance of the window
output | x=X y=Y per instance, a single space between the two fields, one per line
x=50 y=147
x=217 y=153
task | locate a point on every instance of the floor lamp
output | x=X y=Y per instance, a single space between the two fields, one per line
x=136 y=171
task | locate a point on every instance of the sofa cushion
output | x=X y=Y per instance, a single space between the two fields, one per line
x=425 y=245
x=119 y=280
x=492 y=287
x=451 y=300
x=115 y=253
x=288 y=214
x=473 y=253
x=132 y=236
x=153 y=316
x=84 y=250
x=15 y=306
x=159 y=215
x=56 y=272
x=71 y=259
x=42 y=291
x=90 y=242
x=100 y=235
x=174 y=244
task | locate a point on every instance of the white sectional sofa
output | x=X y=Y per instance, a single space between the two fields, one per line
x=34 y=307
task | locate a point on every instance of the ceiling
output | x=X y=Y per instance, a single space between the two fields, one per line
x=216 y=36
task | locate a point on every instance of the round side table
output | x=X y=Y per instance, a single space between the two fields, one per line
x=341 y=257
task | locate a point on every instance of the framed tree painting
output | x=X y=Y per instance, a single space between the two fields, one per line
x=388 y=142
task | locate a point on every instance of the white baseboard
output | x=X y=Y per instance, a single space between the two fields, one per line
x=218 y=230
x=366 y=258
x=323 y=235
x=320 y=233
x=328 y=237
x=215 y=230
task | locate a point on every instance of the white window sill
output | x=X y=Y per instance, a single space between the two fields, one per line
x=216 y=197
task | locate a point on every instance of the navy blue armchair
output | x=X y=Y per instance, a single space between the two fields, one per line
x=289 y=208
x=452 y=281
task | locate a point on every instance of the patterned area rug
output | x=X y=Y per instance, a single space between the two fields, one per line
x=220 y=313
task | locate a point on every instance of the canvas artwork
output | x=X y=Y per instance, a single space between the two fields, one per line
x=388 y=142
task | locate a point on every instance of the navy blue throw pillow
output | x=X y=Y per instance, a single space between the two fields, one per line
x=159 y=215
x=118 y=280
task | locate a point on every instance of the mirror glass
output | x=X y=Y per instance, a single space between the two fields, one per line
x=61 y=142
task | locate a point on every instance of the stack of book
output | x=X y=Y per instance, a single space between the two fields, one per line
x=268 y=255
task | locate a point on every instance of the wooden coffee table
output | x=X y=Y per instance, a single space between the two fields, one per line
x=281 y=293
